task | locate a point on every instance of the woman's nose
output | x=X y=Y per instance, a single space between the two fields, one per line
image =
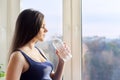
x=46 y=30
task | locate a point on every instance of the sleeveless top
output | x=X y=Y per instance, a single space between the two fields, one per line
x=37 y=70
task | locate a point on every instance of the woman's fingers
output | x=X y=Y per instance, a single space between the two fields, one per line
x=63 y=52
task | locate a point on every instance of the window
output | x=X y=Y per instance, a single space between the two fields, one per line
x=101 y=42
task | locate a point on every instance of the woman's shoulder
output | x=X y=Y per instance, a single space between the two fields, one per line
x=17 y=56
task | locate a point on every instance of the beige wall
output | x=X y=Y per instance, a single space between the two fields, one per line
x=3 y=25
x=9 y=10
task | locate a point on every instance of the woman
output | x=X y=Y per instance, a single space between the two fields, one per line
x=26 y=61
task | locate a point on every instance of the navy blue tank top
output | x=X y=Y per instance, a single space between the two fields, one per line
x=37 y=70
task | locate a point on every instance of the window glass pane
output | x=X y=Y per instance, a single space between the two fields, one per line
x=100 y=39
x=53 y=18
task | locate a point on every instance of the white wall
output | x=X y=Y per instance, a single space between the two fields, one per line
x=9 y=10
x=3 y=31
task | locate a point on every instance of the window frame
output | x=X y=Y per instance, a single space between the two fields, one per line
x=72 y=23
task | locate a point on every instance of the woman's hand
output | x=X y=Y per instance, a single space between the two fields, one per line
x=63 y=53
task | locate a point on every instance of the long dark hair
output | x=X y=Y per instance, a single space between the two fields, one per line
x=27 y=26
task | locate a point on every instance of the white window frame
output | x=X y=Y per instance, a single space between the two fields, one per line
x=72 y=35
x=71 y=32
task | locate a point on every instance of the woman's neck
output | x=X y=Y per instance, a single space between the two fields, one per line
x=30 y=45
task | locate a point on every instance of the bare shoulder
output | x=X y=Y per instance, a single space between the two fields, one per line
x=15 y=66
x=16 y=56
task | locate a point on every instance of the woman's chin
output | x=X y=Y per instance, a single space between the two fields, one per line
x=41 y=40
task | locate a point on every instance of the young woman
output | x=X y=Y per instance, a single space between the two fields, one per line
x=26 y=61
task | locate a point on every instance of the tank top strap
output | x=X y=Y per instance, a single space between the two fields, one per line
x=28 y=59
x=41 y=53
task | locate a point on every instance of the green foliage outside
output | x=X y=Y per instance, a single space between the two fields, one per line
x=101 y=60
x=2 y=73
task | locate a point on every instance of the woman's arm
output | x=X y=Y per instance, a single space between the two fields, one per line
x=59 y=71
x=58 y=74
x=15 y=66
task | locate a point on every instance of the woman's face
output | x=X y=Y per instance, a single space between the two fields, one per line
x=41 y=34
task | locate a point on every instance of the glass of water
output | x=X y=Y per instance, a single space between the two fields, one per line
x=62 y=49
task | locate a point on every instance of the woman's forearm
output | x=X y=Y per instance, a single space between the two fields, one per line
x=59 y=71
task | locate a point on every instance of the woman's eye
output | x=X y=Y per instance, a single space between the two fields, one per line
x=43 y=26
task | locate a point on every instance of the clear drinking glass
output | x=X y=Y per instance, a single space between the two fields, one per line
x=63 y=51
